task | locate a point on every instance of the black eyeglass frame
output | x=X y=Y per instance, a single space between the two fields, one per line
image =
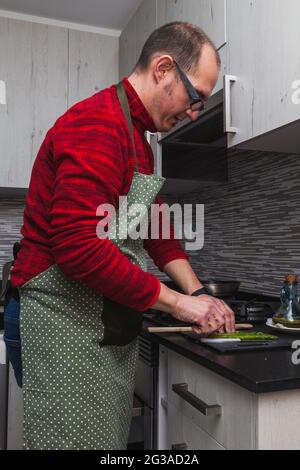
x=191 y=90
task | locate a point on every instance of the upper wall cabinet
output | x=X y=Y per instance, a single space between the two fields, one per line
x=135 y=35
x=93 y=64
x=127 y=49
x=34 y=67
x=208 y=14
x=46 y=69
x=263 y=56
x=145 y=23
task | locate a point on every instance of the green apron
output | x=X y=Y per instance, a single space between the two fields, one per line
x=78 y=373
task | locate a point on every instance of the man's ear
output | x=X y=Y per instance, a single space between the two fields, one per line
x=162 y=65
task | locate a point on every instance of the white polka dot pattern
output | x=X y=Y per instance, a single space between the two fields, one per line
x=77 y=394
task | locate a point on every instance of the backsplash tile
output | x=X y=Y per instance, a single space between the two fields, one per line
x=11 y=221
x=252 y=224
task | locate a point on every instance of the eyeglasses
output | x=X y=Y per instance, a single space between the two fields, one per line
x=197 y=103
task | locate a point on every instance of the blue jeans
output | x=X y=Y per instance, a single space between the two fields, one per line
x=12 y=337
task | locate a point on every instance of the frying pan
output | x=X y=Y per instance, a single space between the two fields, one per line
x=221 y=288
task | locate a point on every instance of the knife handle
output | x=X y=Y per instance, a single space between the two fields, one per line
x=170 y=329
x=189 y=329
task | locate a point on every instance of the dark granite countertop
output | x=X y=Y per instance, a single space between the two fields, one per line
x=257 y=371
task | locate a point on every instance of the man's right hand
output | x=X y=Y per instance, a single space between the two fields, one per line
x=208 y=314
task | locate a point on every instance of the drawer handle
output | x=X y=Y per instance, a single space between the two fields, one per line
x=137 y=411
x=206 y=410
x=138 y=408
x=182 y=446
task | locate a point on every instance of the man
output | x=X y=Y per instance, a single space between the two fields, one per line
x=81 y=296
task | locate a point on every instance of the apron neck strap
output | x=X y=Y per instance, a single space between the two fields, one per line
x=125 y=108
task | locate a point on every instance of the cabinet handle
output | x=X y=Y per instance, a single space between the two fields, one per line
x=2 y=92
x=157 y=153
x=206 y=410
x=227 y=104
x=164 y=403
x=182 y=446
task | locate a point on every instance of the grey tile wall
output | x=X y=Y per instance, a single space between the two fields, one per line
x=252 y=223
x=11 y=220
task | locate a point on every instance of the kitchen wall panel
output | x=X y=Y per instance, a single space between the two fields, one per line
x=252 y=224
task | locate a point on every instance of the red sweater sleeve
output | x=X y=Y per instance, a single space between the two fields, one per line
x=163 y=251
x=90 y=171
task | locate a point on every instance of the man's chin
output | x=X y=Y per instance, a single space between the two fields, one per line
x=167 y=126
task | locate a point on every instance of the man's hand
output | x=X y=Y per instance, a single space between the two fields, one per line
x=208 y=313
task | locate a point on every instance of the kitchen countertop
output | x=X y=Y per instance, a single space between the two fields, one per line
x=257 y=371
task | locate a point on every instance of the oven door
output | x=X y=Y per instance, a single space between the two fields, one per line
x=141 y=430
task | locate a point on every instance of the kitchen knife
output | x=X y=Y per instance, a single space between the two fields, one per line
x=189 y=329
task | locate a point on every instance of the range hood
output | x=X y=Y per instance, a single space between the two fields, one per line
x=197 y=151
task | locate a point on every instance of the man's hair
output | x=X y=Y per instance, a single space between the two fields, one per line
x=183 y=41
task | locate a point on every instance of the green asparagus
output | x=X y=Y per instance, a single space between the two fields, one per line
x=244 y=335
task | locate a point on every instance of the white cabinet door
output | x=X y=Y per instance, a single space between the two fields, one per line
x=263 y=40
x=235 y=427
x=93 y=64
x=127 y=49
x=223 y=70
x=186 y=435
x=34 y=67
x=208 y=14
x=145 y=23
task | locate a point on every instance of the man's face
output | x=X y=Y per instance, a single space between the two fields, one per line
x=172 y=103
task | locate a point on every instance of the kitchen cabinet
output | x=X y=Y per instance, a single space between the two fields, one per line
x=145 y=23
x=184 y=434
x=45 y=69
x=223 y=70
x=127 y=49
x=93 y=64
x=239 y=418
x=134 y=36
x=208 y=14
x=263 y=54
x=230 y=429
x=34 y=67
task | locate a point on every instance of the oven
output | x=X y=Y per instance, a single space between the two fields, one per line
x=143 y=432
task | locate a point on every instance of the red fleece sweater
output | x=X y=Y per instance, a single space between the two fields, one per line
x=86 y=160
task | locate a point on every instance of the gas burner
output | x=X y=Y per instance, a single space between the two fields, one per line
x=256 y=310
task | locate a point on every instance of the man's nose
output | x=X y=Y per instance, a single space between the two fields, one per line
x=193 y=115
